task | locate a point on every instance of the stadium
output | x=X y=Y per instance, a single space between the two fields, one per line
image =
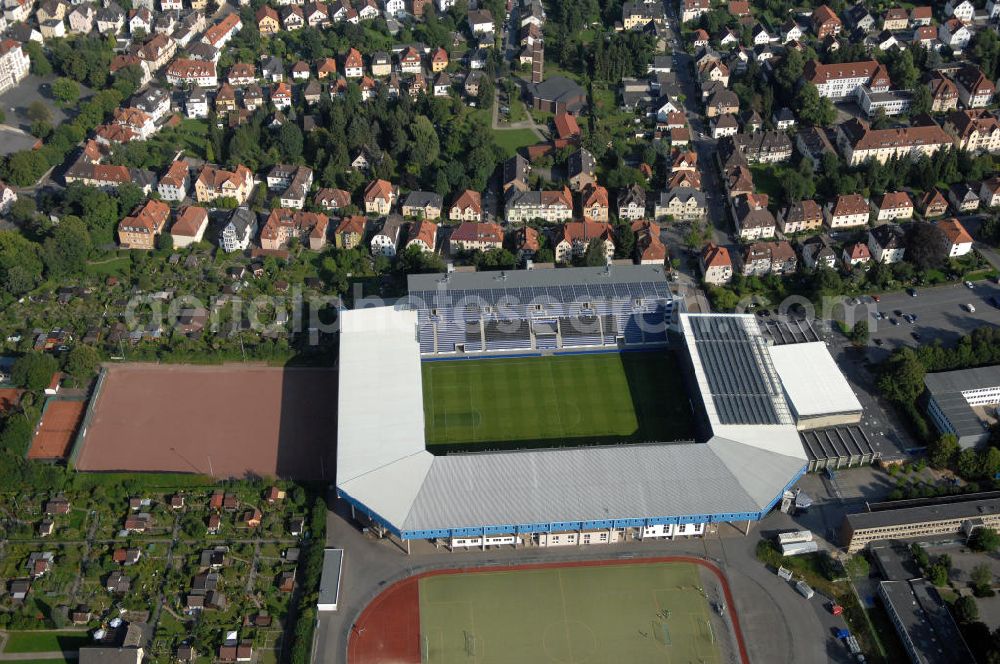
x=708 y=431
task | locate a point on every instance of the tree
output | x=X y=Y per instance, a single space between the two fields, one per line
x=938 y=574
x=902 y=377
x=65 y=90
x=942 y=450
x=859 y=334
x=82 y=362
x=16 y=434
x=966 y=610
x=926 y=246
x=291 y=141
x=984 y=539
x=981 y=575
x=814 y=109
x=20 y=264
x=33 y=371
x=922 y=100
x=425 y=147
x=38 y=112
x=595 y=256
x=857 y=566
x=25 y=168
x=968 y=464
x=66 y=250
x=165 y=243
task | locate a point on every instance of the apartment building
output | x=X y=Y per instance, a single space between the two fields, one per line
x=285 y=224
x=14 y=64
x=174 y=184
x=214 y=183
x=551 y=206
x=859 y=143
x=139 y=230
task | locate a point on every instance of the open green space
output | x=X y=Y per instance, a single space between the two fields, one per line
x=555 y=400
x=510 y=140
x=44 y=641
x=624 y=613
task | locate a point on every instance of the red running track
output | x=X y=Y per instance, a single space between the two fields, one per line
x=388 y=629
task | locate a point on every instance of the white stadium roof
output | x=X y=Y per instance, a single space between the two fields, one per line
x=813 y=383
x=383 y=466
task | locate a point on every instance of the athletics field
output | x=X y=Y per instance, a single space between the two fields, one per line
x=512 y=403
x=636 y=612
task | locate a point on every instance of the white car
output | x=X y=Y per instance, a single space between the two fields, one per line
x=970 y=308
x=968 y=284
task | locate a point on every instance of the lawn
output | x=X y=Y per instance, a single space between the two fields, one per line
x=44 y=641
x=767 y=181
x=509 y=140
x=555 y=400
x=624 y=613
x=112 y=267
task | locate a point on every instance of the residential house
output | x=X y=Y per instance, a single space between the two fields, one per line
x=381 y=64
x=354 y=66
x=955 y=34
x=385 y=241
x=81 y=19
x=14 y=64
x=817 y=253
x=681 y=203
x=761 y=258
x=989 y=192
x=285 y=224
x=716 y=265
x=849 y=210
x=963 y=10
x=472 y=236
x=379 y=197
x=825 y=22
x=553 y=206
x=214 y=183
x=139 y=230
x=189 y=226
x=349 y=232
x=422 y=205
x=963 y=198
x=594 y=203
x=944 y=93
x=467 y=207
x=893 y=205
x=574 y=237
x=974 y=130
x=239 y=230
x=975 y=90
x=332 y=200
x=886 y=243
x=649 y=248
x=804 y=215
x=423 y=234
x=632 y=203
x=200 y=73
x=856 y=254
x=753 y=220
x=932 y=204
x=580 y=168
x=268 y=21
x=957 y=240
x=515 y=173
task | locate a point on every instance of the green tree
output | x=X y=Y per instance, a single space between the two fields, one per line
x=859 y=333
x=291 y=141
x=66 y=250
x=922 y=100
x=595 y=255
x=164 y=243
x=82 y=362
x=814 y=109
x=966 y=610
x=938 y=574
x=65 y=90
x=942 y=450
x=984 y=539
x=20 y=264
x=981 y=575
x=37 y=111
x=33 y=371
x=425 y=146
x=902 y=378
x=968 y=465
x=857 y=566
x=16 y=434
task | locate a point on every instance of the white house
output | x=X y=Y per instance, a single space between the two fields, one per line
x=963 y=10
x=239 y=230
x=7 y=197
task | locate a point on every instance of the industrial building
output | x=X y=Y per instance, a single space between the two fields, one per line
x=923 y=622
x=942 y=519
x=747 y=455
x=964 y=402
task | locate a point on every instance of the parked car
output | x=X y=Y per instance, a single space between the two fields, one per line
x=969 y=285
x=971 y=309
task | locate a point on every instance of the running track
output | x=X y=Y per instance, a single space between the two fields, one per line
x=388 y=629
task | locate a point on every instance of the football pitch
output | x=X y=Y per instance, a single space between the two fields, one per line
x=555 y=400
x=619 y=613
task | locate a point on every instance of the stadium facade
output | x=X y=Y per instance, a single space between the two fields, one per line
x=747 y=457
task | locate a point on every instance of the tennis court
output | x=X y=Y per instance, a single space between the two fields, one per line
x=555 y=400
x=615 y=613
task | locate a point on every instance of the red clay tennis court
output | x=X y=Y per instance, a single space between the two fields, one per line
x=388 y=630
x=224 y=421
x=57 y=429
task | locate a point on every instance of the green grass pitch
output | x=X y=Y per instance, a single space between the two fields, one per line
x=555 y=400
x=624 y=613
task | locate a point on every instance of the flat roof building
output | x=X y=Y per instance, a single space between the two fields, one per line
x=815 y=388
x=958 y=401
x=329 y=582
x=949 y=518
x=923 y=622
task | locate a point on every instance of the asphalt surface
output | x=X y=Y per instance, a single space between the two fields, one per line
x=942 y=314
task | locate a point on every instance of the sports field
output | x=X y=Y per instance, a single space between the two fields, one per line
x=617 y=613
x=555 y=400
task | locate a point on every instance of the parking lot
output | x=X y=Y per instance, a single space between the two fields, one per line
x=941 y=314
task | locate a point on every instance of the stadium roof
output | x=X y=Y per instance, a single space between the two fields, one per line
x=384 y=467
x=946 y=388
x=813 y=383
x=581 y=276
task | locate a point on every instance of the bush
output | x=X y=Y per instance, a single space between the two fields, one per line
x=966 y=610
x=33 y=371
